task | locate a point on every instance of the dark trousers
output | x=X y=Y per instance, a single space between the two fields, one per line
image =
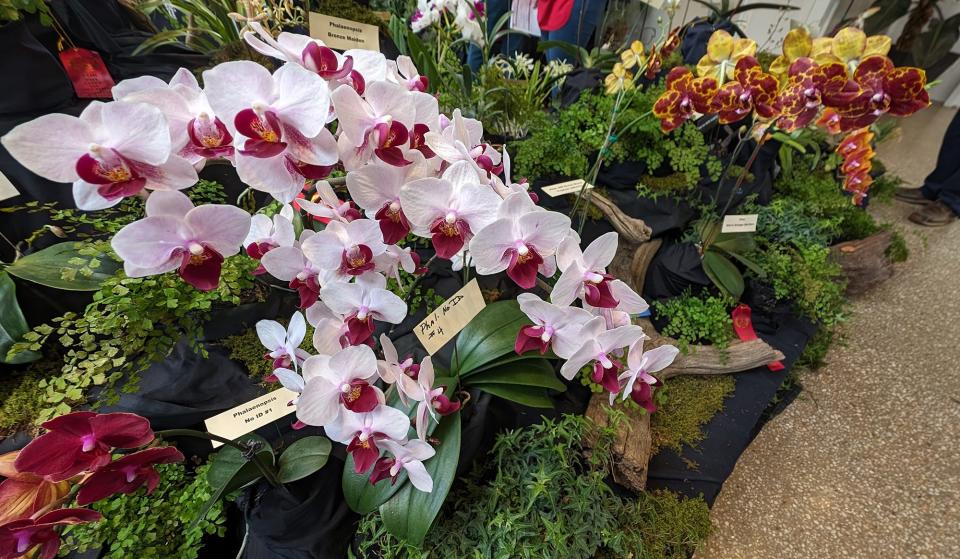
x=944 y=182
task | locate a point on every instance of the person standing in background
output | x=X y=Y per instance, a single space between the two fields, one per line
x=940 y=193
x=571 y=21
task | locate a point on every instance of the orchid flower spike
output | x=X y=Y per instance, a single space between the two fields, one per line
x=278 y=122
x=343 y=381
x=554 y=327
x=640 y=367
x=377 y=123
x=268 y=233
x=284 y=343
x=177 y=236
x=521 y=241
x=362 y=431
x=362 y=303
x=409 y=457
x=432 y=400
x=402 y=374
x=111 y=151
x=601 y=347
x=288 y=263
x=449 y=209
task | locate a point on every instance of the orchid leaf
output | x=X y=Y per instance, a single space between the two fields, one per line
x=56 y=267
x=411 y=512
x=534 y=372
x=531 y=396
x=510 y=358
x=489 y=336
x=304 y=457
x=723 y=273
x=12 y=323
x=230 y=470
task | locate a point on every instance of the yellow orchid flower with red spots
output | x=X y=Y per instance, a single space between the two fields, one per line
x=849 y=46
x=633 y=56
x=884 y=88
x=620 y=79
x=751 y=90
x=723 y=53
x=684 y=97
x=797 y=44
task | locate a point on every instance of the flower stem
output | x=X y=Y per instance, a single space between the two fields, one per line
x=268 y=472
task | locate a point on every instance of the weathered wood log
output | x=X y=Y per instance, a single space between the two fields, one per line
x=864 y=262
x=631 y=229
x=631 y=446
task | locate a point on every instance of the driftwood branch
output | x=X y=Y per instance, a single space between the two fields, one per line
x=631 y=229
x=631 y=445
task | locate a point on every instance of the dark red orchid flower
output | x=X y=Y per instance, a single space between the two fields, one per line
x=811 y=86
x=642 y=394
x=81 y=442
x=884 y=89
x=607 y=376
x=751 y=90
x=685 y=95
x=126 y=475
x=20 y=536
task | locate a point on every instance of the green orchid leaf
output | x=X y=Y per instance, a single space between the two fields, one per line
x=489 y=336
x=723 y=273
x=12 y=323
x=532 y=396
x=304 y=457
x=54 y=267
x=526 y=372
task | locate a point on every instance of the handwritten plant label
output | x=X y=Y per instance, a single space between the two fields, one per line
x=746 y=223
x=7 y=190
x=344 y=34
x=446 y=321
x=562 y=188
x=251 y=415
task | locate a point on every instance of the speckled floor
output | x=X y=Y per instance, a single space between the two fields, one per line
x=866 y=462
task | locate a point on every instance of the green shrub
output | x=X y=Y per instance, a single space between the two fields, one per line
x=822 y=196
x=897 y=251
x=695 y=319
x=807 y=276
x=162 y=525
x=538 y=495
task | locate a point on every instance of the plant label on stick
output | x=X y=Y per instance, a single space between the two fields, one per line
x=562 y=188
x=446 y=321
x=7 y=190
x=746 y=223
x=344 y=34
x=252 y=415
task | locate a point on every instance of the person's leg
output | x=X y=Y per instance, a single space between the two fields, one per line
x=494 y=11
x=945 y=177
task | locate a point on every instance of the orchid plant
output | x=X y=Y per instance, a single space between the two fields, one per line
x=410 y=171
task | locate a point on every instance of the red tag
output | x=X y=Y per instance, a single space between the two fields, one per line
x=743 y=326
x=89 y=74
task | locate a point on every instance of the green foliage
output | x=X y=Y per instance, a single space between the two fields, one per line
x=821 y=194
x=807 y=276
x=246 y=348
x=420 y=296
x=897 y=251
x=13 y=325
x=162 y=525
x=539 y=495
x=884 y=186
x=131 y=323
x=792 y=222
x=815 y=352
x=13 y=10
x=693 y=319
x=564 y=144
x=688 y=403
x=21 y=397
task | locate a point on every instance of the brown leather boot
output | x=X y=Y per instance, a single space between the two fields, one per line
x=934 y=214
x=910 y=196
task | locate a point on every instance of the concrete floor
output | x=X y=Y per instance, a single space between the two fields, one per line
x=866 y=462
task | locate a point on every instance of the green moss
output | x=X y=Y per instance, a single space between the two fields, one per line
x=662 y=525
x=161 y=525
x=246 y=348
x=897 y=251
x=348 y=9
x=22 y=397
x=689 y=403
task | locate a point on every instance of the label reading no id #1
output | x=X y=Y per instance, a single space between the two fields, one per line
x=562 y=188
x=746 y=223
x=252 y=415
x=344 y=34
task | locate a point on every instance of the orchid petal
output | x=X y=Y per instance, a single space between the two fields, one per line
x=50 y=145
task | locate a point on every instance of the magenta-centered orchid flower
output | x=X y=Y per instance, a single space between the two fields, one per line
x=362 y=303
x=462 y=140
x=348 y=249
x=111 y=151
x=278 y=122
x=409 y=457
x=81 y=442
x=521 y=241
x=432 y=400
x=291 y=265
x=300 y=49
x=361 y=432
x=406 y=74
x=553 y=327
x=450 y=209
x=196 y=132
x=602 y=347
x=585 y=273
x=375 y=187
x=640 y=367
x=284 y=343
x=378 y=122
x=330 y=207
x=402 y=374
x=268 y=233
x=20 y=536
x=395 y=259
x=126 y=475
x=343 y=381
x=329 y=329
x=177 y=236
